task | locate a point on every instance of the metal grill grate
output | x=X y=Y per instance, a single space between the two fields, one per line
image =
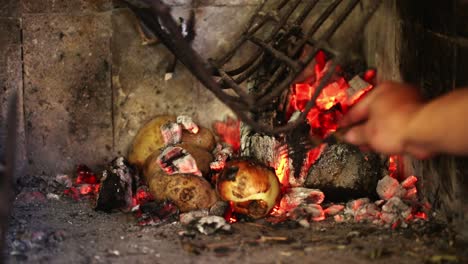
x=274 y=22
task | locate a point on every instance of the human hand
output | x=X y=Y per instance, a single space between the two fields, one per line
x=385 y=114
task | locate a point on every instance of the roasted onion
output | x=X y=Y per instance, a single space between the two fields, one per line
x=252 y=188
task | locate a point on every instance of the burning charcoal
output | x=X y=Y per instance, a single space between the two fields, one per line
x=142 y=195
x=298 y=196
x=357 y=87
x=64 y=180
x=368 y=212
x=172 y=133
x=189 y=217
x=312 y=212
x=353 y=206
x=221 y=155
x=338 y=218
x=344 y=172
x=334 y=209
x=85 y=175
x=229 y=132
x=411 y=194
x=409 y=182
x=118 y=183
x=395 y=212
x=183 y=158
x=211 y=224
x=175 y=160
x=395 y=205
x=316 y=212
x=187 y=123
x=389 y=187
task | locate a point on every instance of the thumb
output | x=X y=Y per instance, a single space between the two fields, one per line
x=357 y=135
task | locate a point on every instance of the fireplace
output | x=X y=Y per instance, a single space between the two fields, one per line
x=89 y=76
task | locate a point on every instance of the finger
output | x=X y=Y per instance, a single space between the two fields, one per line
x=357 y=135
x=365 y=148
x=357 y=113
x=420 y=153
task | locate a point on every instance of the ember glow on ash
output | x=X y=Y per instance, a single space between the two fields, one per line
x=229 y=132
x=333 y=101
x=282 y=169
x=86 y=184
x=399 y=204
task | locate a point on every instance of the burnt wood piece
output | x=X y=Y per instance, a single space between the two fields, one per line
x=156 y=15
x=343 y=172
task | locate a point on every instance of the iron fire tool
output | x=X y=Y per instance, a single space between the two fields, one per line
x=279 y=38
x=333 y=138
x=7 y=174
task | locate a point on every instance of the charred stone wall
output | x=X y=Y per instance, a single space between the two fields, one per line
x=435 y=57
x=426 y=43
x=88 y=81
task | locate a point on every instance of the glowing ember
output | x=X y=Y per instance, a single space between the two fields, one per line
x=85 y=175
x=282 y=169
x=229 y=215
x=229 y=132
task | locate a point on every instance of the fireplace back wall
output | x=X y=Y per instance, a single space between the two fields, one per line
x=87 y=84
x=426 y=43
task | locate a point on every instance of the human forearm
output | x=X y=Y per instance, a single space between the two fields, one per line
x=440 y=125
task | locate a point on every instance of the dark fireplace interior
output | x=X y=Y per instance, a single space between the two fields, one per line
x=123 y=154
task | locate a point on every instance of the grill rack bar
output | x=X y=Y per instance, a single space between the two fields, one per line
x=213 y=75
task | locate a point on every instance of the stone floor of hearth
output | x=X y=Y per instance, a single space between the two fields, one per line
x=65 y=231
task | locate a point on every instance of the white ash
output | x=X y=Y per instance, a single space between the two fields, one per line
x=307 y=212
x=298 y=196
x=409 y=182
x=395 y=208
x=389 y=187
x=294 y=116
x=64 y=180
x=221 y=155
x=175 y=160
x=396 y=205
x=190 y=217
x=171 y=133
x=211 y=224
x=188 y=124
x=334 y=209
x=356 y=85
x=168 y=76
x=120 y=168
x=315 y=211
x=53 y=196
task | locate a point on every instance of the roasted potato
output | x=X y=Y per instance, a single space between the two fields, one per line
x=203 y=139
x=148 y=140
x=188 y=192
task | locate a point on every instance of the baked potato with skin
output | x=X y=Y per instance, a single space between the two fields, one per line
x=148 y=140
x=203 y=139
x=202 y=157
x=188 y=192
